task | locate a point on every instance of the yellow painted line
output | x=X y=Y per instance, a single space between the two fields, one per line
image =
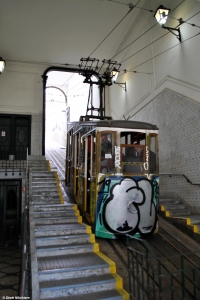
x=92 y=238
x=162 y=208
x=80 y=219
x=96 y=247
x=119 y=281
x=124 y=294
x=48 y=165
x=167 y=214
x=109 y=261
x=77 y=213
x=196 y=229
x=188 y=221
x=75 y=207
x=88 y=228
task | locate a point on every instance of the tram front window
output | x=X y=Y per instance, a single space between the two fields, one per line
x=107 y=145
x=132 y=151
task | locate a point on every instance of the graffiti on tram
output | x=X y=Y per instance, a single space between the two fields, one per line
x=127 y=205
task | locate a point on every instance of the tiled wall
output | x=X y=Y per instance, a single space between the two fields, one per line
x=178 y=119
x=36 y=135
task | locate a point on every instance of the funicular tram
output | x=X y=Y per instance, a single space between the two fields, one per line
x=112 y=171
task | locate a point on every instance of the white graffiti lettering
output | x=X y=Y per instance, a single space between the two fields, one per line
x=117 y=157
x=148 y=176
x=146 y=164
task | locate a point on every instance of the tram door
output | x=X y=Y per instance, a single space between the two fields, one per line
x=10 y=211
x=88 y=178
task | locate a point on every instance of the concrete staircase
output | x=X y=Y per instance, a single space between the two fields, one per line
x=65 y=259
x=179 y=214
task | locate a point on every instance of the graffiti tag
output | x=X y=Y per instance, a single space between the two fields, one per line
x=146 y=164
x=117 y=157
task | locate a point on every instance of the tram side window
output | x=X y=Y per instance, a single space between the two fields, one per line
x=153 y=147
x=107 y=152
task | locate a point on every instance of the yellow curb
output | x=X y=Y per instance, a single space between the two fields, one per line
x=109 y=261
x=162 y=208
x=80 y=219
x=124 y=294
x=88 y=228
x=48 y=165
x=196 y=230
x=96 y=247
x=188 y=221
x=92 y=238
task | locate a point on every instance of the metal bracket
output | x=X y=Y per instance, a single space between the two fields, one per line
x=120 y=84
x=174 y=31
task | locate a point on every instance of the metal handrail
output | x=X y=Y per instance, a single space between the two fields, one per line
x=24 y=244
x=151 y=277
x=188 y=180
x=12 y=158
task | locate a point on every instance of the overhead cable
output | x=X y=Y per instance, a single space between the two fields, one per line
x=145 y=31
x=134 y=41
x=130 y=9
x=151 y=42
x=144 y=48
x=161 y=53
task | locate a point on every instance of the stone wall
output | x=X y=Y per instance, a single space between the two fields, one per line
x=177 y=118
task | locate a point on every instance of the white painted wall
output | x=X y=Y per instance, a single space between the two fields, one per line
x=169 y=96
x=21 y=88
x=21 y=92
x=177 y=69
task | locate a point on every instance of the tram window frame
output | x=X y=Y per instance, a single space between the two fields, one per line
x=155 y=169
x=136 y=140
x=93 y=156
x=108 y=160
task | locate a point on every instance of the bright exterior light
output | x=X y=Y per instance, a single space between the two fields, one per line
x=114 y=74
x=161 y=14
x=2 y=65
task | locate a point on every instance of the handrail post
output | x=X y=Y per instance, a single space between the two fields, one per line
x=24 y=245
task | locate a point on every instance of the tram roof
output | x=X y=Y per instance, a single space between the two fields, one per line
x=114 y=124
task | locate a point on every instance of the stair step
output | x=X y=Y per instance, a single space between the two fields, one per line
x=47 y=174
x=40 y=185
x=60 y=207
x=173 y=201
x=60 y=230
x=46 y=201
x=58 y=214
x=65 y=220
x=173 y=206
x=76 y=286
x=174 y=213
x=58 y=250
x=45 y=189
x=96 y=269
x=194 y=219
x=36 y=180
x=64 y=240
x=51 y=197
x=103 y=295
